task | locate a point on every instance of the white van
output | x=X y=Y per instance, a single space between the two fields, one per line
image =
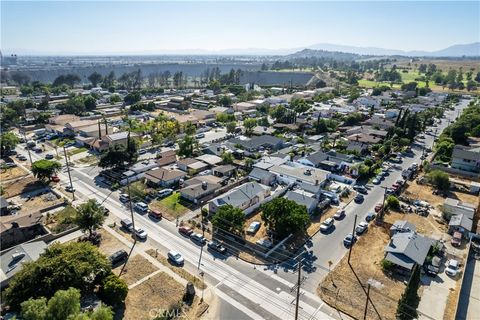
x=124 y=197
x=141 y=207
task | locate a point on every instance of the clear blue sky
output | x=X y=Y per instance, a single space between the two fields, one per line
x=121 y=26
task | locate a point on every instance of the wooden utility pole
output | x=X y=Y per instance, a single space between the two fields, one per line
x=353 y=239
x=366 y=303
x=69 y=175
x=133 y=227
x=299 y=279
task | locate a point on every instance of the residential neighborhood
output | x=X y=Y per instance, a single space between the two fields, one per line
x=314 y=184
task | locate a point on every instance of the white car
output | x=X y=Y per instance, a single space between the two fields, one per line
x=140 y=233
x=452 y=268
x=124 y=197
x=253 y=228
x=175 y=257
x=361 y=228
x=326 y=225
x=164 y=193
x=376 y=181
x=141 y=207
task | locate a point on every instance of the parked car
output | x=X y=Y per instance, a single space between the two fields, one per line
x=186 y=231
x=21 y=157
x=55 y=178
x=141 y=207
x=452 y=268
x=200 y=135
x=359 y=198
x=142 y=151
x=124 y=197
x=340 y=214
x=118 y=257
x=433 y=268
x=376 y=180
x=349 y=240
x=140 y=233
x=198 y=238
x=70 y=189
x=69 y=144
x=175 y=257
x=155 y=214
x=49 y=156
x=253 y=228
x=361 y=228
x=326 y=225
x=370 y=216
x=378 y=207
x=360 y=189
x=216 y=246
x=164 y=193
x=456 y=239
x=127 y=224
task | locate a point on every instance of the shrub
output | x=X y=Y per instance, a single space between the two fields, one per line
x=386 y=265
x=113 y=290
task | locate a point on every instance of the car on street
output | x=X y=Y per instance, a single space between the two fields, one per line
x=140 y=233
x=200 y=136
x=37 y=149
x=21 y=157
x=360 y=189
x=49 y=156
x=327 y=225
x=70 y=189
x=253 y=227
x=370 y=216
x=175 y=257
x=186 y=231
x=361 y=228
x=340 y=214
x=124 y=197
x=141 y=207
x=433 y=268
x=349 y=240
x=55 y=178
x=127 y=224
x=217 y=247
x=456 y=239
x=142 y=151
x=164 y=193
x=378 y=207
x=376 y=180
x=359 y=198
x=154 y=213
x=9 y=165
x=198 y=238
x=452 y=268
x=69 y=144
x=118 y=257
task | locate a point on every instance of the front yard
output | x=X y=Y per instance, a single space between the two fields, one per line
x=171 y=207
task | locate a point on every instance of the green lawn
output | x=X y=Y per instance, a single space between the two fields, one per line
x=171 y=206
x=372 y=84
x=77 y=150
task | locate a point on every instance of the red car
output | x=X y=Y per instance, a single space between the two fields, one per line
x=456 y=239
x=155 y=214
x=395 y=186
x=186 y=231
x=55 y=179
x=378 y=207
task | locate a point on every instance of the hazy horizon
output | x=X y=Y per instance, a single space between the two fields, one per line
x=92 y=28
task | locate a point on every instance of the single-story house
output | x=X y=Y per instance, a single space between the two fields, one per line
x=224 y=171
x=290 y=174
x=16 y=229
x=191 y=165
x=262 y=176
x=209 y=159
x=162 y=177
x=257 y=143
x=13 y=260
x=242 y=197
x=166 y=157
x=400 y=226
x=198 y=188
x=453 y=207
x=303 y=199
x=460 y=223
x=406 y=249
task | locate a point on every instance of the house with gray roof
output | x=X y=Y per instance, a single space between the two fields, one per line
x=406 y=249
x=461 y=223
x=258 y=142
x=197 y=188
x=466 y=159
x=330 y=160
x=400 y=226
x=242 y=197
x=453 y=207
x=262 y=176
x=303 y=199
x=12 y=261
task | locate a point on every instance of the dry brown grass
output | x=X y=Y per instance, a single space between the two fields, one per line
x=262 y=231
x=15 y=188
x=318 y=219
x=197 y=282
x=12 y=173
x=452 y=301
x=342 y=290
x=158 y=293
x=137 y=268
x=109 y=243
x=425 y=225
x=40 y=202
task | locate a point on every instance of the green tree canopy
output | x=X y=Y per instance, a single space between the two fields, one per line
x=285 y=217
x=408 y=303
x=229 y=218
x=44 y=169
x=8 y=141
x=231 y=126
x=249 y=124
x=95 y=78
x=187 y=146
x=439 y=179
x=89 y=216
x=114 y=290
x=76 y=264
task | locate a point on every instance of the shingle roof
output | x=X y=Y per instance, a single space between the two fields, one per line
x=241 y=194
x=461 y=220
x=406 y=249
x=257 y=141
x=259 y=174
x=300 y=199
x=10 y=266
x=162 y=174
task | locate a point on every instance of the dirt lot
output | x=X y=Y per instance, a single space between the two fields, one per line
x=28 y=184
x=137 y=268
x=341 y=288
x=425 y=225
x=424 y=192
x=12 y=173
x=260 y=234
x=197 y=282
x=109 y=243
x=38 y=202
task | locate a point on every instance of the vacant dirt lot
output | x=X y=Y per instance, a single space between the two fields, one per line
x=38 y=202
x=318 y=219
x=110 y=244
x=262 y=231
x=137 y=268
x=15 y=188
x=12 y=173
x=342 y=288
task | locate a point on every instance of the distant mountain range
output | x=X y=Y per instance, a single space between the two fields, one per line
x=458 y=50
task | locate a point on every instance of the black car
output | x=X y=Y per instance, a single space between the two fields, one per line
x=360 y=189
x=217 y=246
x=359 y=198
x=118 y=256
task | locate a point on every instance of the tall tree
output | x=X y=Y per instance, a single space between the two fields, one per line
x=408 y=303
x=230 y=219
x=44 y=169
x=8 y=141
x=95 y=78
x=89 y=216
x=285 y=217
